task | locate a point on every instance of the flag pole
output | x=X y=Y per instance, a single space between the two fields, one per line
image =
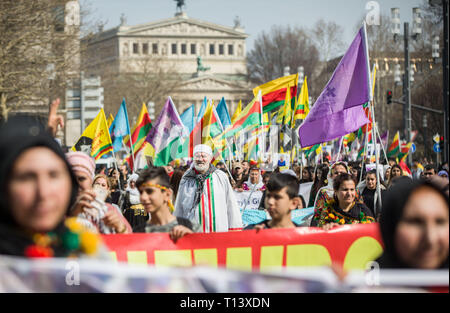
x=339 y=151
x=381 y=143
x=372 y=108
x=129 y=134
x=114 y=156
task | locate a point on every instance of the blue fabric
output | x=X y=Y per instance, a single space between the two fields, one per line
x=222 y=111
x=202 y=110
x=119 y=127
x=187 y=117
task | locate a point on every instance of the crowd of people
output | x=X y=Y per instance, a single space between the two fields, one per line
x=55 y=203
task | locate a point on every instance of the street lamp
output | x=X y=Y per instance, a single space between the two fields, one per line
x=151 y=110
x=397 y=75
x=416 y=32
x=417 y=23
x=425 y=125
x=435 y=49
x=301 y=74
x=287 y=69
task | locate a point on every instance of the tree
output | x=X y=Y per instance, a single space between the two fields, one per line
x=282 y=46
x=328 y=36
x=142 y=81
x=37 y=53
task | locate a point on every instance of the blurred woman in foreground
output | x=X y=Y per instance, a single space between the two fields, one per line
x=415 y=226
x=37 y=189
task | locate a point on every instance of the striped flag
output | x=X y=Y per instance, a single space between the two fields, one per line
x=165 y=134
x=394 y=148
x=273 y=93
x=208 y=127
x=250 y=116
x=302 y=109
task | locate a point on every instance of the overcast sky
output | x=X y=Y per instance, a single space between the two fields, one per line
x=255 y=15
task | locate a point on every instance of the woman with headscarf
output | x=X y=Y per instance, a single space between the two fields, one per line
x=37 y=189
x=90 y=207
x=344 y=207
x=414 y=226
x=132 y=208
x=326 y=193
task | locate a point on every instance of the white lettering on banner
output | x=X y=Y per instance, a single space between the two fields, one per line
x=73 y=276
x=248 y=200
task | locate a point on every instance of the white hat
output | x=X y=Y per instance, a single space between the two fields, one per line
x=133 y=177
x=203 y=148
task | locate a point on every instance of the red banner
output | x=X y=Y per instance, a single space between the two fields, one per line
x=349 y=246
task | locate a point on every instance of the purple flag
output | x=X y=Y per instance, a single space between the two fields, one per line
x=167 y=128
x=338 y=110
x=384 y=139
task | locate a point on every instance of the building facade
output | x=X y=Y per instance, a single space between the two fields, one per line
x=209 y=58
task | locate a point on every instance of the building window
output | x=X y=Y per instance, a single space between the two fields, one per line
x=193 y=48
x=211 y=49
x=183 y=48
x=135 y=48
x=221 y=50
x=230 y=50
x=155 y=48
x=145 y=48
x=174 y=48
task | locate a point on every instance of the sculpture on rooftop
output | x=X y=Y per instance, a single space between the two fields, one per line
x=180 y=4
x=200 y=67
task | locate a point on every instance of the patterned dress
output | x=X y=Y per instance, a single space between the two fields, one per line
x=331 y=213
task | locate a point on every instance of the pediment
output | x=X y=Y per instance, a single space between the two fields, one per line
x=211 y=83
x=185 y=27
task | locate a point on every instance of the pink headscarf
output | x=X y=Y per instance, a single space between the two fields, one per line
x=81 y=162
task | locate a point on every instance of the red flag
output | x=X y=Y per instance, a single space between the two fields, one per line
x=404 y=167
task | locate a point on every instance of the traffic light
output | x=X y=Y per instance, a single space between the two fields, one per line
x=389 y=96
x=441 y=144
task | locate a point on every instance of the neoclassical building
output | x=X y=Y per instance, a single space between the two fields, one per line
x=210 y=58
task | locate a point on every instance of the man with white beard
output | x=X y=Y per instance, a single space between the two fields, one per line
x=205 y=195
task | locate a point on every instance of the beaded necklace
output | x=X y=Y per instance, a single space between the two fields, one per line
x=74 y=241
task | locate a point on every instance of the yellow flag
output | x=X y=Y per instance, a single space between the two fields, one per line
x=288 y=107
x=148 y=149
x=302 y=108
x=95 y=140
x=285 y=111
x=110 y=120
x=236 y=112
